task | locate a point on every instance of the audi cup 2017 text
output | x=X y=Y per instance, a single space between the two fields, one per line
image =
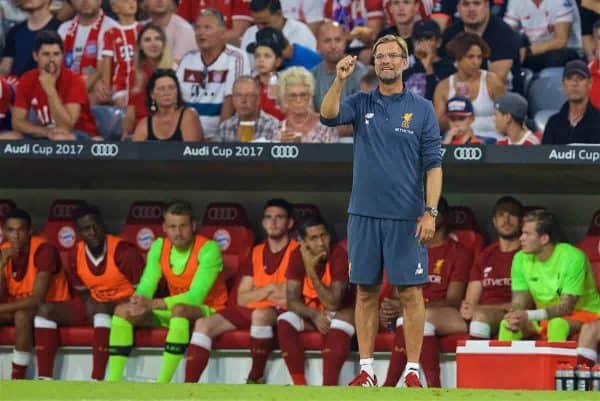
x=47 y=149
x=224 y=152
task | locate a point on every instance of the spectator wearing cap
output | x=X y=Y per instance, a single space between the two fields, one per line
x=331 y=43
x=293 y=54
x=578 y=121
x=206 y=76
x=267 y=13
x=481 y=87
x=296 y=90
x=268 y=59
x=551 y=28
x=429 y=68
x=595 y=67
x=460 y=118
x=503 y=59
x=511 y=113
x=247 y=114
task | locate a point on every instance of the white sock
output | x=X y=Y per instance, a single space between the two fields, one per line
x=201 y=340
x=413 y=367
x=21 y=358
x=261 y=332
x=480 y=329
x=366 y=365
x=587 y=353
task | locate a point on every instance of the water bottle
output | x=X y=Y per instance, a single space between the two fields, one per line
x=559 y=377
x=569 y=377
x=584 y=377
x=595 y=378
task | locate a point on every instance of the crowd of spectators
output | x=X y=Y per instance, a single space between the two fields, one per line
x=62 y=60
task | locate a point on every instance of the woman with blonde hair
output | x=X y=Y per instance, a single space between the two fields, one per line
x=151 y=54
x=302 y=123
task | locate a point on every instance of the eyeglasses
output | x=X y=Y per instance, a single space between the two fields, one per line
x=298 y=96
x=391 y=56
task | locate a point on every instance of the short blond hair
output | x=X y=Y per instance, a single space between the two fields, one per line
x=296 y=76
x=391 y=38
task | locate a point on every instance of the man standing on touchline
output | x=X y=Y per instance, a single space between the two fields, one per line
x=396 y=143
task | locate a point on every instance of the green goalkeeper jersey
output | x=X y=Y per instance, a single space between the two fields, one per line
x=566 y=271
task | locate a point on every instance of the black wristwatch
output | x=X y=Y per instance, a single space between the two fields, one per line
x=433 y=212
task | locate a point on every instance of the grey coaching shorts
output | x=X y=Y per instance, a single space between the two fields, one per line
x=375 y=244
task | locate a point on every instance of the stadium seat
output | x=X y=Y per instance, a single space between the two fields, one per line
x=60 y=229
x=109 y=121
x=527 y=76
x=546 y=94
x=463 y=227
x=551 y=72
x=302 y=211
x=143 y=224
x=6 y=205
x=541 y=118
x=228 y=225
x=591 y=246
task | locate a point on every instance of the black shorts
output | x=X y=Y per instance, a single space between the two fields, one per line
x=588 y=19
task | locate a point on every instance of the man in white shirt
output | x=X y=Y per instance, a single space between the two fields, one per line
x=83 y=38
x=552 y=27
x=308 y=11
x=180 y=34
x=207 y=76
x=267 y=13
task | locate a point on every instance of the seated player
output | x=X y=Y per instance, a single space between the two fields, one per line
x=318 y=298
x=191 y=265
x=587 y=344
x=488 y=293
x=554 y=291
x=104 y=269
x=31 y=277
x=449 y=266
x=260 y=297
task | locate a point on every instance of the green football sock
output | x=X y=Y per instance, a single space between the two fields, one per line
x=120 y=344
x=505 y=334
x=558 y=329
x=177 y=340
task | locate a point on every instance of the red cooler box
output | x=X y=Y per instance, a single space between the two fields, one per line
x=527 y=365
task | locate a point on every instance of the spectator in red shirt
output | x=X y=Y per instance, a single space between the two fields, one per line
x=511 y=112
x=460 y=118
x=236 y=13
x=488 y=296
x=118 y=72
x=318 y=298
x=7 y=95
x=56 y=95
x=151 y=53
x=449 y=266
x=595 y=68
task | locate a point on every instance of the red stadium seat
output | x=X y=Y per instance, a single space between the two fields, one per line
x=143 y=224
x=301 y=212
x=463 y=228
x=228 y=225
x=6 y=205
x=591 y=245
x=60 y=229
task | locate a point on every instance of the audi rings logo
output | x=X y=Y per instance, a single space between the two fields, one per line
x=222 y=213
x=146 y=212
x=471 y=154
x=105 y=149
x=62 y=211
x=285 y=152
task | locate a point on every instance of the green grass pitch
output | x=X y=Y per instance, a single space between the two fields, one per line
x=83 y=391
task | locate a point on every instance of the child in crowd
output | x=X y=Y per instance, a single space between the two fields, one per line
x=118 y=70
x=460 y=117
